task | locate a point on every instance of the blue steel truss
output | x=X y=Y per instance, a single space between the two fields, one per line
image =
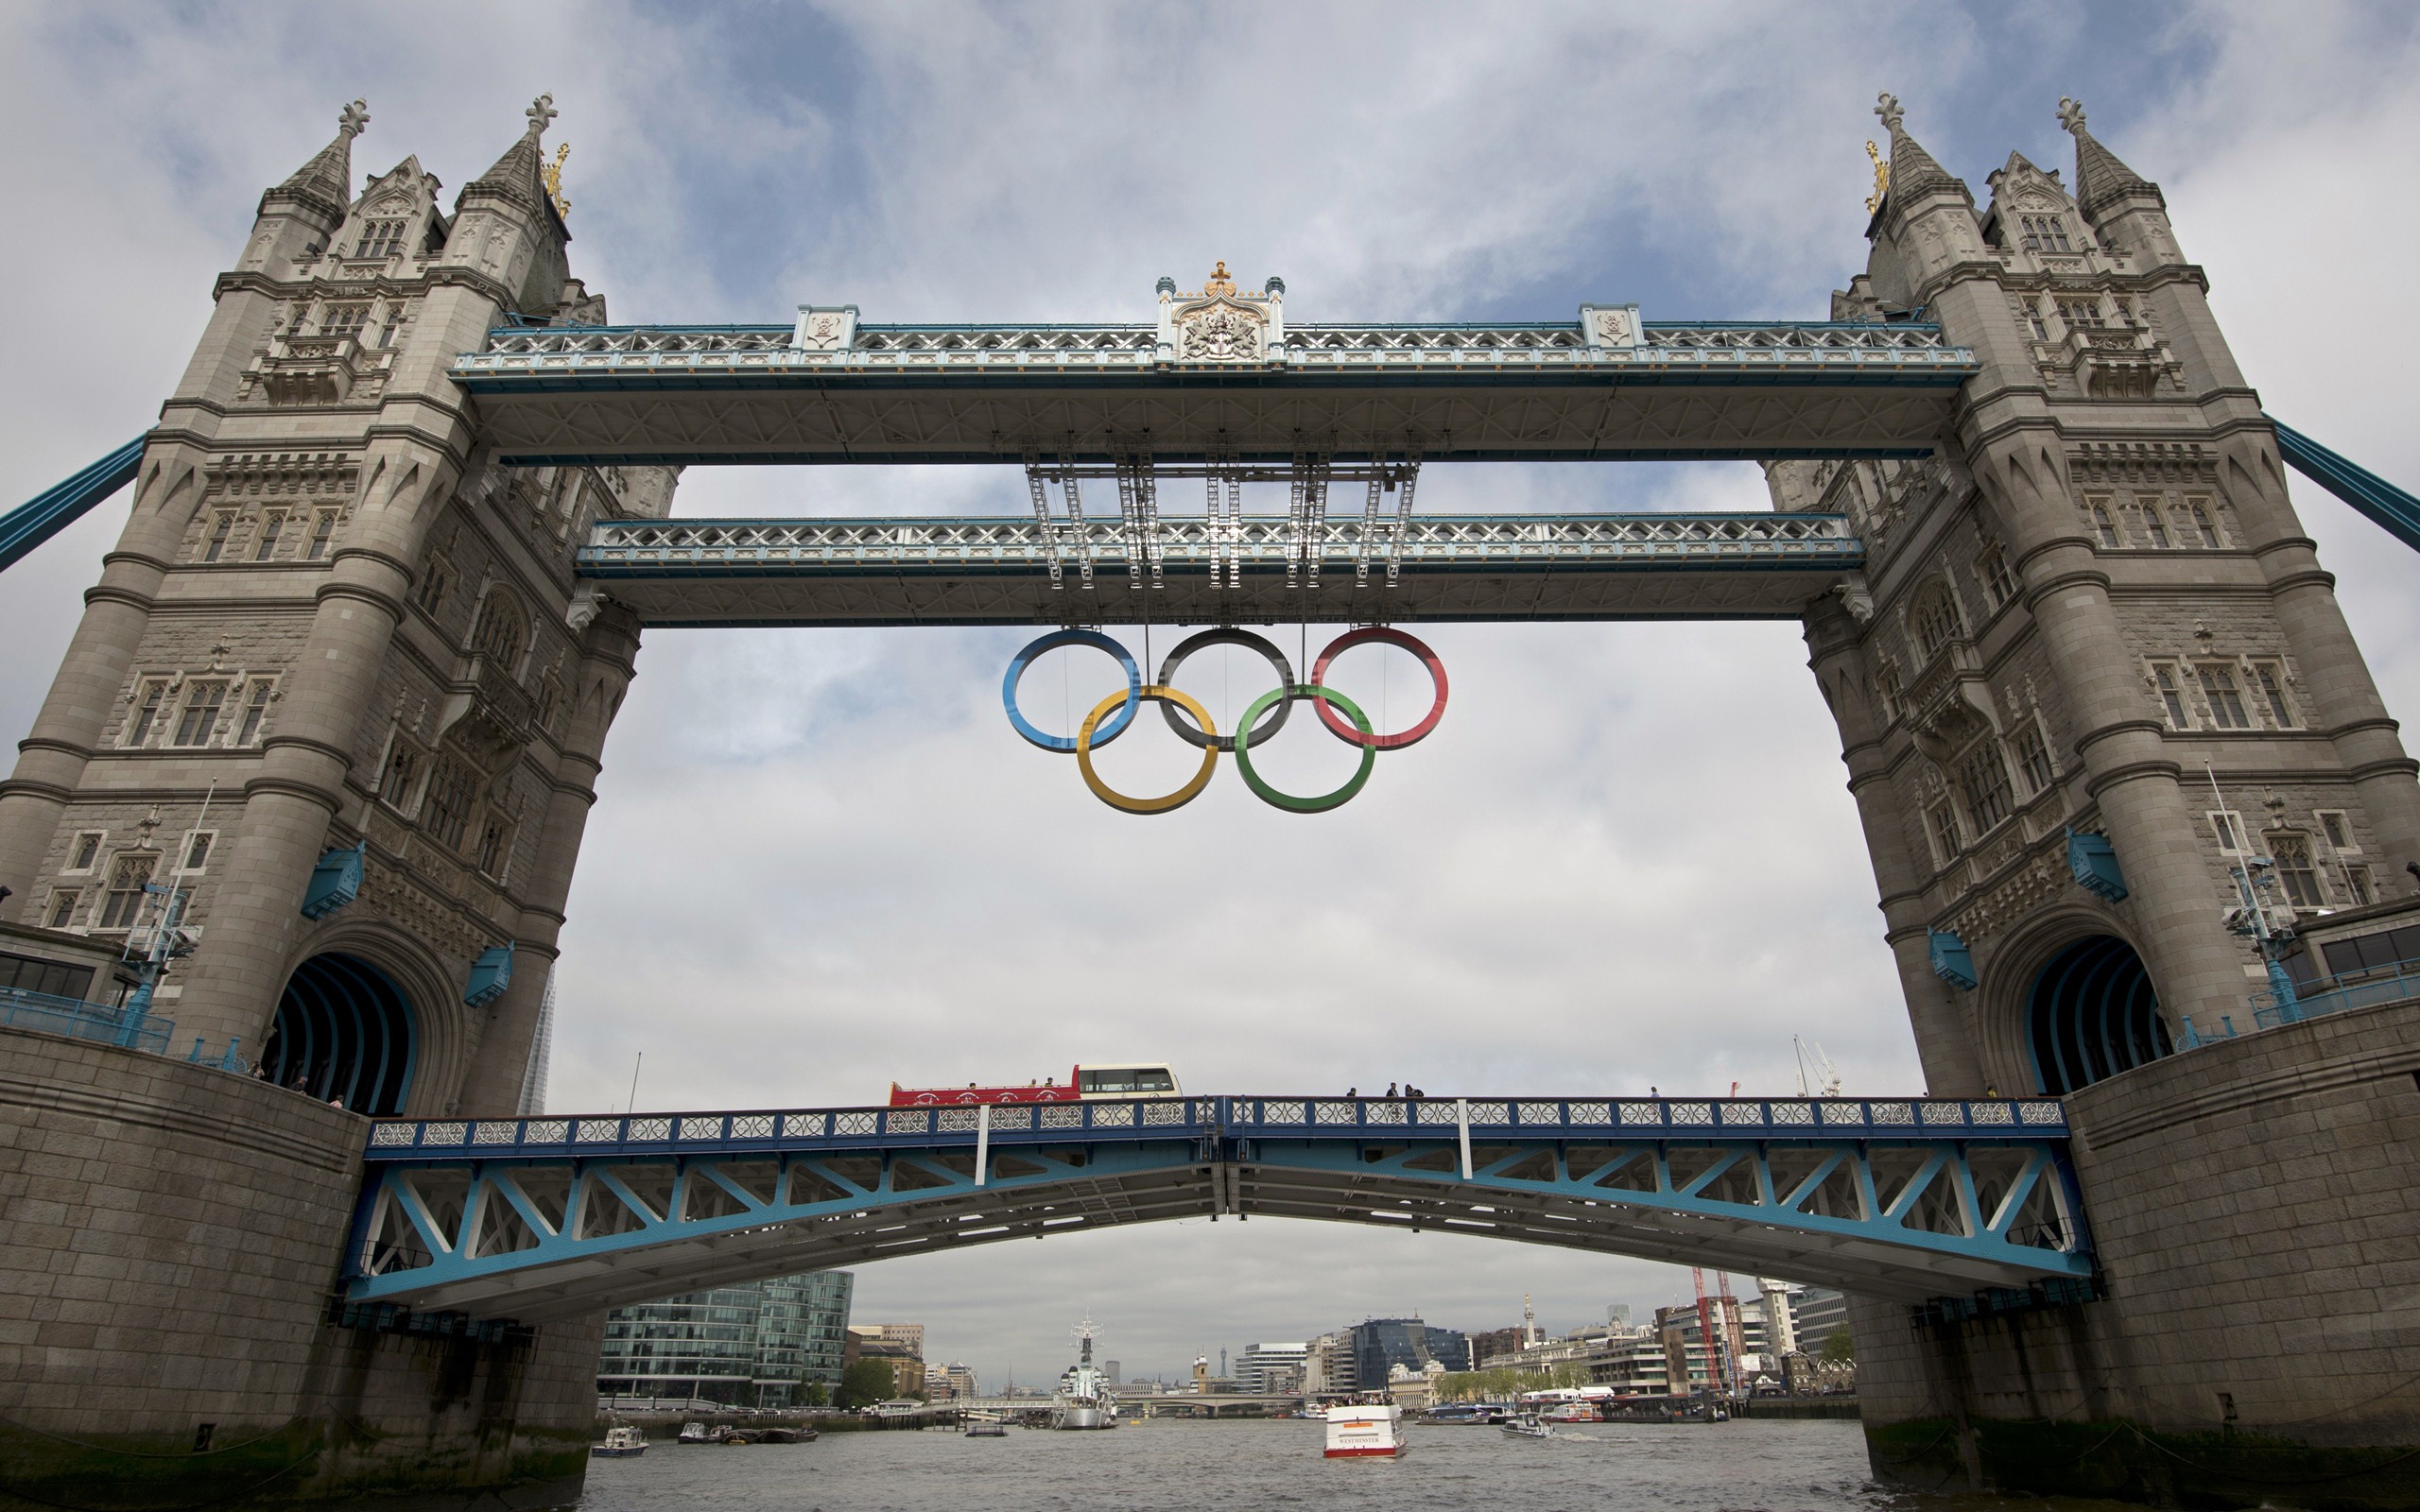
x=539 y=1217
x=62 y=504
x=2392 y=510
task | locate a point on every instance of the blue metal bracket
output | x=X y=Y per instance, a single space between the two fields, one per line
x=2094 y=862
x=2386 y=506
x=335 y=881
x=490 y=975
x=62 y=504
x=1951 y=961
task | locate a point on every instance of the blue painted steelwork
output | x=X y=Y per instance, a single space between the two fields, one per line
x=2093 y=861
x=335 y=881
x=2092 y=1013
x=62 y=504
x=79 y=1019
x=2397 y=983
x=1951 y=960
x=2386 y=506
x=490 y=975
x=534 y=1217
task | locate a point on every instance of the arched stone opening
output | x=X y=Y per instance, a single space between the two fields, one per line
x=2092 y=1014
x=344 y=1033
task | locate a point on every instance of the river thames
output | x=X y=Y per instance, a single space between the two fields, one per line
x=1739 y=1466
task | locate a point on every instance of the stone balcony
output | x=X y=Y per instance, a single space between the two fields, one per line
x=315 y=369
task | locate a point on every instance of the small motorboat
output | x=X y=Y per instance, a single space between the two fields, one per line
x=694 y=1434
x=785 y=1436
x=1528 y=1425
x=621 y=1442
x=983 y=1425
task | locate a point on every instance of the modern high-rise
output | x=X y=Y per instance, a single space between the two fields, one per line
x=1266 y=1369
x=1381 y=1343
x=760 y=1343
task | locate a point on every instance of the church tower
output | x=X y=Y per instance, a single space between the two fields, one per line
x=332 y=687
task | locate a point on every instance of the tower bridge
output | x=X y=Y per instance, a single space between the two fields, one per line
x=323 y=747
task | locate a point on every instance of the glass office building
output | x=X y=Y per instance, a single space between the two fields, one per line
x=756 y=1344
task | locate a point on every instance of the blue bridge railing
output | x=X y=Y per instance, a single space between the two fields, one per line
x=79 y=1019
x=2334 y=994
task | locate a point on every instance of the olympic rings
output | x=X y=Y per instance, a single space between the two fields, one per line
x=1380 y=634
x=1226 y=635
x=1063 y=744
x=1114 y=714
x=1286 y=800
x=1167 y=803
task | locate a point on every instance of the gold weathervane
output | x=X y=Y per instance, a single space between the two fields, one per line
x=553 y=174
x=1881 y=179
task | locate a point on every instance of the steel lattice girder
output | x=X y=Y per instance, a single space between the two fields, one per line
x=995 y=570
x=680 y=395
x=542 y=1217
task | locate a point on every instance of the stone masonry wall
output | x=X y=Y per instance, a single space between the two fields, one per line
x=170 y=1238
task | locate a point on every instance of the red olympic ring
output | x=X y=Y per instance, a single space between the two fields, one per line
x=1383 y=635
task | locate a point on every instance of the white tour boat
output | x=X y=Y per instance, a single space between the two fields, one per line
x=620 y=1443
x=1528 y=1425
x=1359 y=1430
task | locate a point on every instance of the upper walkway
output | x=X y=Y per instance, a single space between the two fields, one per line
x=1517 y=391
x=539 y=1217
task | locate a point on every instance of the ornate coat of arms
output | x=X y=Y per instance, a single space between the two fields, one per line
x=1219 y=324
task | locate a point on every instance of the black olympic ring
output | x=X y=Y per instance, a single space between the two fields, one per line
x=1227 y=635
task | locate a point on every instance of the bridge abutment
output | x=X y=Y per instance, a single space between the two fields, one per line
x=171 y=1237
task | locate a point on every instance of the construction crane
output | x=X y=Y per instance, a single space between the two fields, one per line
x=1826 y=1080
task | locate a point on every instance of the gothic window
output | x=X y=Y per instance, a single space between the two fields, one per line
x=2105 y=524
x=452 y=789
x=1992 y=567
x=343 y=319
x=2339 y=834
x=495 y=846
x=1945 y=831
x=2082 y=315
x=434 y=581
x=1935 y=620
x=2225 y=698
x=395 y=784
x=2044 y=233
x=2295 y=873
x=272 y=526
x=255 y=710
x=200 y=714
x=220 y=529
x=380 y=238
x=498 y=635
x=2155 y=525
x=2223 y=826
x=62 y=906
x=2033 y=759
x=86 y=850
x=2356 y=881
x=1984 y=778
x=123 y=904
x=550 y=693
x=323 y=529
x=147 y=713
x=2033 y=318
x=2202 y=525
x=394 y=323
x=2270 y=680
x=197 y=849
x=2166 y=678
x=1886 y=690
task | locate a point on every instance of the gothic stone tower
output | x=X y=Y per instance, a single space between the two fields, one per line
x=333 y=633
x=2095 y=624
x=332 y=623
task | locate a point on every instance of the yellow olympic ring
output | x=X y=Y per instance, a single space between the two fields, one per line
x=1147 y=805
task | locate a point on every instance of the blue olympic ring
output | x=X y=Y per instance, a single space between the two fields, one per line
x=1111 y=728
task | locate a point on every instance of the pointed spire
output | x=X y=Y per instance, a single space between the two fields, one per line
x=1912 y=169
x=325 y=182
x=2101 y=180
x=519 y=175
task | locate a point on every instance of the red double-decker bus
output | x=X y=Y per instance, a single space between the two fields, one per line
x=1083 y=1084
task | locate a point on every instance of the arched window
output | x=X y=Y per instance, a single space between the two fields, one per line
x=2092 y=1014
x=343 y=1033
x=1934 y=620
x=500 y=631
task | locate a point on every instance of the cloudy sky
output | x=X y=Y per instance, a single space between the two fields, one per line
x=821 y=860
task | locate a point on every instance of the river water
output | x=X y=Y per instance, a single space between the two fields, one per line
x=1201 y=1467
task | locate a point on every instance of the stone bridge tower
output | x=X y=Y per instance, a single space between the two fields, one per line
x=334 y=639
x=2096 y=669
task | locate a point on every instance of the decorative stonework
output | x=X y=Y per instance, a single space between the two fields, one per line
x=1219 y=325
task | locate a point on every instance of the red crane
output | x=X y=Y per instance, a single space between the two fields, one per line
x=1721 y=1360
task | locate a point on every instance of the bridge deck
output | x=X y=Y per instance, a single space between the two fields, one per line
x=923 y=393
x=542 y=1217
x=999 y=570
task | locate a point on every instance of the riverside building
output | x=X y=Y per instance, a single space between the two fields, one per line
x=756 y=1344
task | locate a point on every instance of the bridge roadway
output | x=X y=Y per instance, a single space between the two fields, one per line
x=1199 y=570
x=533 y=1219
x=1513 y=391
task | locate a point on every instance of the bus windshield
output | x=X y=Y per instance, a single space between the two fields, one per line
x=1114 y=1080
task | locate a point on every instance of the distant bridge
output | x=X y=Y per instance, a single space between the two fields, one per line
x=542 y=1217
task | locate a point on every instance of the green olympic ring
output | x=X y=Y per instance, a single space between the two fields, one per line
x=1287 y=802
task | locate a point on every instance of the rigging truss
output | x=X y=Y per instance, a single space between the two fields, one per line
x=541 y=1217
